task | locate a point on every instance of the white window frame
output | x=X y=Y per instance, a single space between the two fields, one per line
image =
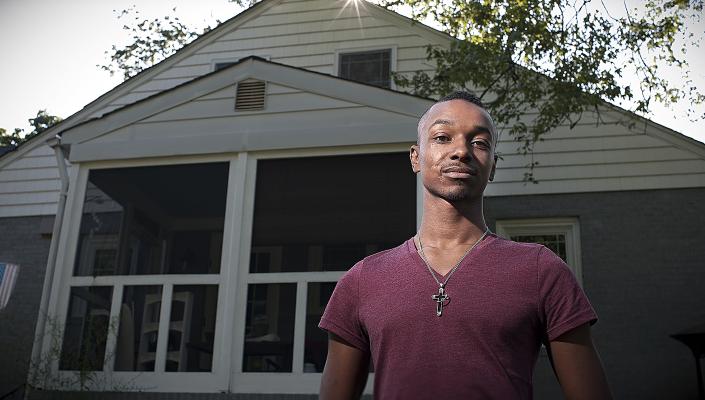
x=570 y=227
x=352 y=50
x=297 y=381
x=159 y=380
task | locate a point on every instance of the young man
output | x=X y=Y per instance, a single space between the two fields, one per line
x=457 y=312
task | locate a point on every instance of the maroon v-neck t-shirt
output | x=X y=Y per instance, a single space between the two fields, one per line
x=505 y=299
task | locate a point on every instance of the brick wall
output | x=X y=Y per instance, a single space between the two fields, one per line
x=24 y=241
x=643 y=265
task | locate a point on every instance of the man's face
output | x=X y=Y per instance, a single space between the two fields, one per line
x=455 y=154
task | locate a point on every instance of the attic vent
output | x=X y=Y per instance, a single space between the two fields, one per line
x=250 y=95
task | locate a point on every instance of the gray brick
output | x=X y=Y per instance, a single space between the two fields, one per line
x=643 y=268
x=21 y=243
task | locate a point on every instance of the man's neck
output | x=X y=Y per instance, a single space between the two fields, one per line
x=449 y=224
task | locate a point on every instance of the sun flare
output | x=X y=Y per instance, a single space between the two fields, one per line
x=352 y=4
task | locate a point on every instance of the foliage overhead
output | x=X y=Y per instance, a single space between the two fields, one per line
x=583 y=54
x=152 y=41
x=41 y=122
x=245 y=3
x=12 y=139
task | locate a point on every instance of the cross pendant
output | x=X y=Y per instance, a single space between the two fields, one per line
x=441 y=300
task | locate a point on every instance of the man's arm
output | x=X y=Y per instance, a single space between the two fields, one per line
x=345 y=373
x=578 y=367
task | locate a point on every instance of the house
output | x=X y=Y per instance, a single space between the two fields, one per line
x=186 y=230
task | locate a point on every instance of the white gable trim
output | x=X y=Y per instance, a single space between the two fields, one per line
x=228 y=143
x=256 y=68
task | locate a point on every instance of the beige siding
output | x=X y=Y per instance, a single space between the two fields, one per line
x=30 y=185
x=125 y=100
x=338 y=39
x=27 y=209
x=609 y=156
x=599 y=171
x=601 y=184
x=12 y=175
x=303 y=34
x=586 y=158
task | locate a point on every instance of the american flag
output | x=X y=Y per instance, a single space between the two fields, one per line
x=8 y=276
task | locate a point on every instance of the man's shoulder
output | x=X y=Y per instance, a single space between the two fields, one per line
x=533 y=255
x=508 y=246
x=378 y=263
x=386 y=257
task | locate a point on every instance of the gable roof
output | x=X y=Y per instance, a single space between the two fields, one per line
x=397 y=111
x=136 y=80
x=189 y=49
x=253 y=12
x=259 y=68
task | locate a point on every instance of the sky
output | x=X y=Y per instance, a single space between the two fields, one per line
x=50 y=48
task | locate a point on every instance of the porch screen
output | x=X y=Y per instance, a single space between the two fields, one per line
x=152 y=236
x=313 y=219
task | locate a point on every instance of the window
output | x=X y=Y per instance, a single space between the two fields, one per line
x=143 y=295
x=561 y=235
x=313 y=218
x=221 y=65
x=372 y=67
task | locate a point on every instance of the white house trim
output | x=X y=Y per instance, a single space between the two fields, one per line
x=257 y=68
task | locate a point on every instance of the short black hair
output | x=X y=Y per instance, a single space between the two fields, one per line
x=463 y=95
x=459 y=95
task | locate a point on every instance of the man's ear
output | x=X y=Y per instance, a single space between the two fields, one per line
x=494 y=166
x=414 y=158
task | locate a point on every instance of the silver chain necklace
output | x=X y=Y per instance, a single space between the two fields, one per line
x=442 y=298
